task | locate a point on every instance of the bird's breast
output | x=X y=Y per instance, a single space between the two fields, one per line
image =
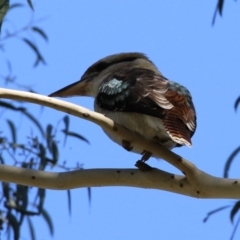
x=151 y=128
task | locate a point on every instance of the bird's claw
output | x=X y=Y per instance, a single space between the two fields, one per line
x=145 y=156
x=142 y=166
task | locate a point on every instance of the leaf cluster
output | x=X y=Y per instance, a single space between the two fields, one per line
x=37 y=149
x=235 y=207
x=39 y=152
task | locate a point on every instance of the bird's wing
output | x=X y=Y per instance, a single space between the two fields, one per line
x=147 y=92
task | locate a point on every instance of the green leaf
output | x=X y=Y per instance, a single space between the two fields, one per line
x=2 y=160
x=8 y=105
x=41 y=195
x=31 y=228
x=3 y=11
x=236 y=103
x=13 y=132
x=40 y=32
x=48 y=220
x=235 y=229
x=220 y=6
x=42 y=155
x=2 y=140
x=30 y=4
x=49 y=137
x=22 y=200
x=6 y=190
x=37 y=52
x=31 y=163
x=55 y=152
x=76 y=135
x=34 y=120
x=69 y=202
x=214 y=211
x=234 y=210
x=66 y=121
x=15 y=5
x=229 y=161
x=13 y=223
x=219 y=9
x=89 y=195
x=23 y=111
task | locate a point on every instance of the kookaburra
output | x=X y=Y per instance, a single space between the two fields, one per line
x=129 y=89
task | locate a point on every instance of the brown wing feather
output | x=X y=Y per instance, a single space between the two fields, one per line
x=180 y=121
x=176 y=128
x=184 y=107
x=148 y=92
x=180 y=115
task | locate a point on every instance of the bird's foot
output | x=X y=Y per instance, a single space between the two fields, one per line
x=127 y=145
x=142 y=166
x=145 y=156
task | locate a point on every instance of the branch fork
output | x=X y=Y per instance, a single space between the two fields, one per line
x=194 y=182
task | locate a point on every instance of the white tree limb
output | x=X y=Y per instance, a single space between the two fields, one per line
x=195 y=183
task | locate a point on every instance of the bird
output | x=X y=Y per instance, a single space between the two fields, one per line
x=129 y=89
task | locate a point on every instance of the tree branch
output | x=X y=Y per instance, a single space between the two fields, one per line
x=211 y=187
x=195 y=183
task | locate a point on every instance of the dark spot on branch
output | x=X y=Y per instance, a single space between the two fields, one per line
x=198 y=192
x=132 y=173
x=235 y=182
x=118 y=171
x=172 y=177
x=180 y=159
x=181 y=185
x=115 y=128
x=33 y=177
x=86 y=115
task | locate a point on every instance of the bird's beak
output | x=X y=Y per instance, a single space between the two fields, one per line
x=79 y=88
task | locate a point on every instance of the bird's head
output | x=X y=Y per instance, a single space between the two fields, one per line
x=89 y=83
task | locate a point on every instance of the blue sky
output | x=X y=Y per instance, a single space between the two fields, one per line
x=179 y=38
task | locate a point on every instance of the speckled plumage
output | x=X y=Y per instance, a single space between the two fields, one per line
x=129 y=89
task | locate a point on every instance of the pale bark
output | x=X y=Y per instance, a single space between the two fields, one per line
x=194 y=182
